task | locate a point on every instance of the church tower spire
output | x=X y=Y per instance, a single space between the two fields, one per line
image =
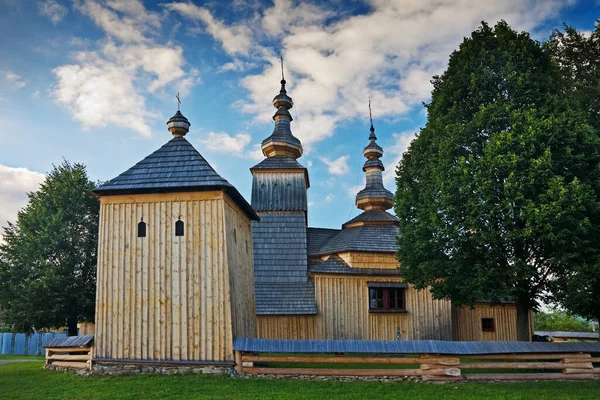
x=282 y=142
x=374 y=196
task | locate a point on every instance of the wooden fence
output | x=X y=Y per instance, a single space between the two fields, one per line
x=22 y=344
x=429 y=367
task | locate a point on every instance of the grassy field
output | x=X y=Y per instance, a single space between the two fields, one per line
x=29 y=381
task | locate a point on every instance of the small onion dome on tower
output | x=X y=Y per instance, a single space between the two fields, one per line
x=282 y=142
x=178 y=125
x=374 y=196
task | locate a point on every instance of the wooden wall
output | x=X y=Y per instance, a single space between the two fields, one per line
x=300 y=327
x=343 y=304
x=163 y=297
x=466 y=322
x=343 y=309
x=238 y=233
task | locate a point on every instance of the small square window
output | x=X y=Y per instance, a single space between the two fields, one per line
x=388 y=299
x=487 y=325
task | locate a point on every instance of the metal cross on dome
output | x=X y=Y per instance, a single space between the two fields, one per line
x=178 y=101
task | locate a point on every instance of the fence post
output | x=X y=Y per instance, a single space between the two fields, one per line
x=239 y=368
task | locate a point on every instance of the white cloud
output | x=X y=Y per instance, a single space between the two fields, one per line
x=393 y=155
x=126 y=20
x=13 y=80
x=234 y=39
x=53 y=10
x=16 y=182
x=339 y=166
x=223 y=142
x=108 y=85
x=333 y=63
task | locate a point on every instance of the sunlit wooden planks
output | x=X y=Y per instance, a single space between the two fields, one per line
x=163 y=296
x=467 y=322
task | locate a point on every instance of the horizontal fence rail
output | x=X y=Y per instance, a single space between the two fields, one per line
x=428 y=367
x=433 y=360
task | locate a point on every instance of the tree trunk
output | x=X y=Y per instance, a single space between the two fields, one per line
x=72 y=325
x=523 y=333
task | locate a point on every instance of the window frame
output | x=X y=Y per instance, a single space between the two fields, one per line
x=386 y=290
x=488 y=329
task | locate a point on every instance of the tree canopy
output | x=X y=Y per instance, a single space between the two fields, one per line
x=497 y=195
x=48 y=259
x=578 y=56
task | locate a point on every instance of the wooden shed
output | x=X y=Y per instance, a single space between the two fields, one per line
x=175 y=280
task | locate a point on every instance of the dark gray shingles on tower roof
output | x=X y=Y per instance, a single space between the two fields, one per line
x=336 y=265
x=368 y=238
x=374 y=216
x=280 y=265
x=316 y=237
x=285 y=298
x=176 y=166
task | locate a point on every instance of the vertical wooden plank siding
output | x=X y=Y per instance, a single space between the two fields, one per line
x=238 y=234
x=301 y=327
x=343 y=313
x=466 y=322
x=166 y=297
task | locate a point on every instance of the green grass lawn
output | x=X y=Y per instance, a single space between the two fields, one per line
x=29 y=381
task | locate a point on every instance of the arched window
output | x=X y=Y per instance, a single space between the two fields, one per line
x=142 y=228
x=179 y=227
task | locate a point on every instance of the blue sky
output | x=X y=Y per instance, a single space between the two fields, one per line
x=94 y=81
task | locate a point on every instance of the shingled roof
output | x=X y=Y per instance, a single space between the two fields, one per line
x=371 y=238
x=175 y=167
x=336 y=265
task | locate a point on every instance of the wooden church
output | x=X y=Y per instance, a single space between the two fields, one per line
x=185 y=264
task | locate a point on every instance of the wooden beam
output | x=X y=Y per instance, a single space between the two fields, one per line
x=70 y=364
x=525 y=365
x=575 y=360
x=527 y=377
x=533 y=356
x=333 y=372
x=69 y=357
x=238 y=363
x=577 y=370
x=354 y=360
x=69 y=349
x=432 y=370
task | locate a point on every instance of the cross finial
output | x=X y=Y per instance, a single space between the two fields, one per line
x=282 y=77
x=178 y=101
x=370 y=116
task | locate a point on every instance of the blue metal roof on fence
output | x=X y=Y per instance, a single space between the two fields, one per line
x=408 y=346
x=70 y=341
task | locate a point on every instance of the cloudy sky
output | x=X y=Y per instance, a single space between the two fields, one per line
x=94 y=81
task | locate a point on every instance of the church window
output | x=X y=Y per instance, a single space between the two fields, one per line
x=387 y=299
x=487 y=325
x=142 y=228
x=179 y=227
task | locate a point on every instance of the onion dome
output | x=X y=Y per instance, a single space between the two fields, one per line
x=178 y=124
x=374 y=196
x=282 y=142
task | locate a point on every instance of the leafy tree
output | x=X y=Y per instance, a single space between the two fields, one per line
x=497 y=195
x=578 y=56
x=48 y=259
x=558 y=320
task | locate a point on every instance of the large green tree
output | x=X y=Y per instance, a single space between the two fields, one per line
x=497 y=195
x=577 y=54
x=578 y=57
x=48 y=258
